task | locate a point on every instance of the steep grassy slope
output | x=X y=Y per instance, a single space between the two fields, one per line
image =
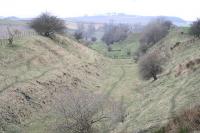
x=152 y=104
x=37 y=68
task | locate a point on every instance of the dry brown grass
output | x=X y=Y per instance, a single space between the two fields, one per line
x=189 y=66
x=188 y=120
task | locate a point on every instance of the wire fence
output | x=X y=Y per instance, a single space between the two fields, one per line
x=4 y=40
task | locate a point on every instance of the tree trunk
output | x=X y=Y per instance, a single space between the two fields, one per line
x=154 y=77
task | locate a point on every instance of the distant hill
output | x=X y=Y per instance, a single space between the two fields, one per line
x=122 y=18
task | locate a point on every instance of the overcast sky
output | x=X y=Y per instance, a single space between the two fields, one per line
x=186 y=9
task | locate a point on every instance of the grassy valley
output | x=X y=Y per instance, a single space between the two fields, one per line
x=36 y=69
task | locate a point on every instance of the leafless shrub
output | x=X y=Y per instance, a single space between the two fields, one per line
x=11 y=35
x=153 y=33
x=47 y=24
x=86 y=31
x=115 y=33
x=137 y=28
x=85 y=112
x=80 y=112
x=186 y=122
x=150 y=65
x=90 y=31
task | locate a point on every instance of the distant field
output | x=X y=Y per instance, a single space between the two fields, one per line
x=20 y=26
x=73 y=25
x=120 y=49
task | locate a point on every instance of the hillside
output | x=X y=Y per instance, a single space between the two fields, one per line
x=153 y=104
x=37 y=68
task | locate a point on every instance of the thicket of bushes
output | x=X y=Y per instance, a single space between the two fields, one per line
x=85 y=32
x=151 y=34
x=115 y=33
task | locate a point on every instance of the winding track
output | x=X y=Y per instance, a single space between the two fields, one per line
x=114 y=85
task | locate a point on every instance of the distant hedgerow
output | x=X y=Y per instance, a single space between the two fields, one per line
x=151 y=34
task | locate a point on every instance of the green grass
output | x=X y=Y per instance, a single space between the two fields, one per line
x=152 y=104
x=119 y=50
x=11 y=22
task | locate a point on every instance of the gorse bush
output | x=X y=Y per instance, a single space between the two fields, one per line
x=195 y=28
x=47 y=24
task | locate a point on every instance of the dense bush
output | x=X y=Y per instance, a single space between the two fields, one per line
x=150 y=65
x=115 y=33
x=152 y=33
x=93 y=39
x=78 y=35
x=195 y=28
x=47 y=24
x=90 y=31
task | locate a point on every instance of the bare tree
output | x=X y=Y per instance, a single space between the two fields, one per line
x=90 y=30
x=11 y=35
x=153 y=33
x=80 y=112
x=47 y=24
x=115 y=33
x=137 y=28
x=86 y=112
x=150 y=65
